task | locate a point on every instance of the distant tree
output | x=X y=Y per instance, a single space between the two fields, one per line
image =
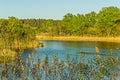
x=90 y=19
x=67 y=22
x=12 y=30
x=104 y=23
x=107 y=18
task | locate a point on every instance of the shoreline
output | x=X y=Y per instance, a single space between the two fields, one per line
x=79 y=38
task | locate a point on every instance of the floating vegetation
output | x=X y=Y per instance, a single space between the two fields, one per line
x=97 y=68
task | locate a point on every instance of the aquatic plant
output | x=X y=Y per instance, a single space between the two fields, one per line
x=70 y=69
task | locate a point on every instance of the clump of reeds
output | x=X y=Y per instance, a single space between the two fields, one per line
x=98 y=53
x=57 y=69
x=7 y=55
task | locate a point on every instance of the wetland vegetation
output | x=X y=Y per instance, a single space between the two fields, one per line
x=19 y=35
x=72 y=68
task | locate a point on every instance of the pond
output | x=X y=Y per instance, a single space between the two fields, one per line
x=66 y=60
x=75 y=50
x=61 y=48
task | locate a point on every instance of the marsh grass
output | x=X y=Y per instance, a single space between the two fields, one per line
x=79 y=38
x=7 y=55
x=9 y=49
x=73 y=68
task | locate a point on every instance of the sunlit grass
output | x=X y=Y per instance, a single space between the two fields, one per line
x=79 y=38
x=7 y=55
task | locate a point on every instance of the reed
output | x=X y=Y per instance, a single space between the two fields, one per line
x=98 y=53
x=79 y=38
x=57 y=69
x=7 y=55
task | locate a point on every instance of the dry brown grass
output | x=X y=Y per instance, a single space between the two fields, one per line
x=79 y=38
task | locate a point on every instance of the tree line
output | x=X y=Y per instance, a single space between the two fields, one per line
x=104 y=23
x=20 y=33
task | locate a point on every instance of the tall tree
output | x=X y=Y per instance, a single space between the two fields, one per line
x=107 y=18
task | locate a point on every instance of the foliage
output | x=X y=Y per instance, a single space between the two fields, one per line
x=104 y=23
x=14 y=33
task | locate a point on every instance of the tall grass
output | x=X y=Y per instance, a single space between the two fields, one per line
x=57 y=69
x=79 y=38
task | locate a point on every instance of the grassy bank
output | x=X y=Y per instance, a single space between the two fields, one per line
x=9 y=52
x=27 y=45
x=79 y=38
x=7 y=55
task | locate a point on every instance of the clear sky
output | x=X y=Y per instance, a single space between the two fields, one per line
x=51 y=9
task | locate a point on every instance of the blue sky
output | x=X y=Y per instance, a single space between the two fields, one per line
x=51 y=9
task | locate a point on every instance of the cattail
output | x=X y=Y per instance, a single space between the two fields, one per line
x=97 y=49
x=98 y=55
x=28 y=78
x=23 y=68
x=71 y=68
x=113 y=62
x=42 y=66
x=55 y=59
x=38 y=60
x=22 y=75
x=66 y=64
x=38 y=57
x=29 y=56
x=46 y=60
x=27 y=61
x=20 y=61
x=60 y=65
x=53 y=66
x=35 y=64
x=30 y=59
x=32 y=55
x=48 y=71
x=14 y=70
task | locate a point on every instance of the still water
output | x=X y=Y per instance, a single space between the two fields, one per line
x=74 y=49
x=61 y=48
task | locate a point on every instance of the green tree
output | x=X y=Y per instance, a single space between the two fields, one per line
x=90 y=19
x=67 y=22
x=107 y=18
x=13 y=32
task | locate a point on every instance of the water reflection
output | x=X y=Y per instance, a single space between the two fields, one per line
x=68 y=47
x=83 y=63
x=80 y=44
